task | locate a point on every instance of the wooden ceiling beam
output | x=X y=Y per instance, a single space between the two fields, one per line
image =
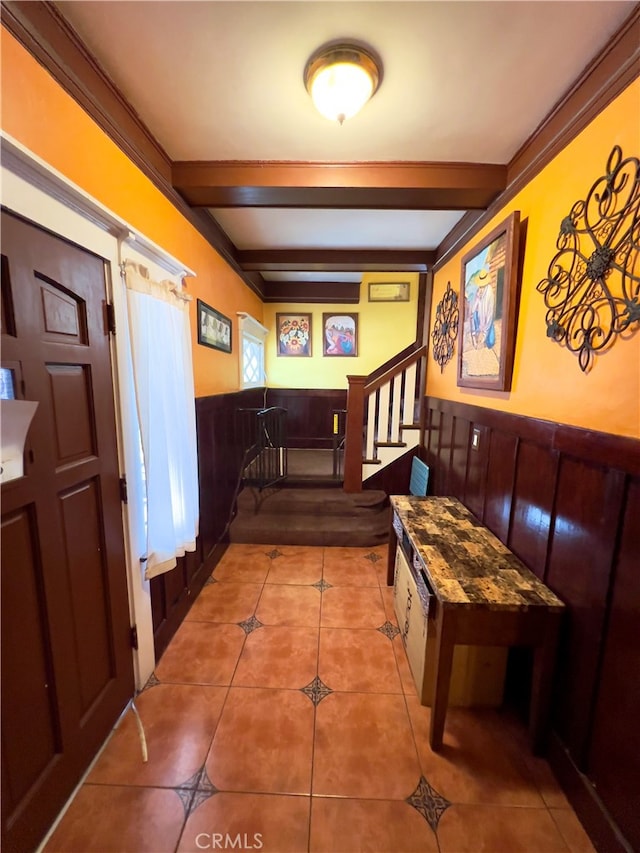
x=335 y=260
x=387 y=186
x=316 y=292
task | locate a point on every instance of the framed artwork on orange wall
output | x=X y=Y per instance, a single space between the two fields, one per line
x=214 y=329
x=488 y=301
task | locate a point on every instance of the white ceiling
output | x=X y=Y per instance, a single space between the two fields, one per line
x=463 y=81
x=260 y=228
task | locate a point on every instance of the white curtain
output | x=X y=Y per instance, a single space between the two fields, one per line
x=160 y=337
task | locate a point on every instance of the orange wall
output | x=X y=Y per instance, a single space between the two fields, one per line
x=39 y=114
x=547 y=381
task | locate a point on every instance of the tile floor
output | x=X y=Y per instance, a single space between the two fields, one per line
x=283 y=717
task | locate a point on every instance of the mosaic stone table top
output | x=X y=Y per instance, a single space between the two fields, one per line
x=466 y=564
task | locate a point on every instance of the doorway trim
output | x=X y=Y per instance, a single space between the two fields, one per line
x=36 y=191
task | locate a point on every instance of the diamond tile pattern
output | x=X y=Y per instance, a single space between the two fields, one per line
x=152 y=681
x=429 y=803
x=237 y=748
x=316 y=690
x=389 y=630
x=249 y=625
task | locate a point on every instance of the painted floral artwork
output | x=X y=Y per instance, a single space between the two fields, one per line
x=294 y=334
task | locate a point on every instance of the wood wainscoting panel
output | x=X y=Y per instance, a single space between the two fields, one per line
x=459 y=453
x=442 y=471
x=587 y=510
x=477 y=466
x=432 y=419
x=566 y=500
x=309 y=414
x=503 y=450
x=532 y=505
x=219 y=460
x=614 y=756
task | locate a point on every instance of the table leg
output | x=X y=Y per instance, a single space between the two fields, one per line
x=445 y=641
x=542 y=683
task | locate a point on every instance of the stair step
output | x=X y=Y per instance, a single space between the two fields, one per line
x=409 y=426
x=390 y=443
x=312 y=529
x=287 y=502
x=314 y=482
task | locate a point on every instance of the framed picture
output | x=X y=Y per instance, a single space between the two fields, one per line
x=488 y=302
x=294 y=334
x=214 y=329
x=389 y=291
x=340 y=334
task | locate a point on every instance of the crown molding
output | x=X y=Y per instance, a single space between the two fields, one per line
x=42 y=30
x=604 y=78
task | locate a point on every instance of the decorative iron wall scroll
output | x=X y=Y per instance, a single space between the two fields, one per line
x=445 y=327
x=592 y=289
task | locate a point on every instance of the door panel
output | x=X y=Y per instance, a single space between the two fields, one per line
x=72 y=412
x=67 y=665
x=84 y=546
x=32 y=738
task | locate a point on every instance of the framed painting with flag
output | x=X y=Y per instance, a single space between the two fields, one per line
x=489 y=288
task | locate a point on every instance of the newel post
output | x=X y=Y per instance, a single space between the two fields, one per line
x=354 y=434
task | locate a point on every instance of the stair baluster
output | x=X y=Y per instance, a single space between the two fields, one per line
x=379 y=407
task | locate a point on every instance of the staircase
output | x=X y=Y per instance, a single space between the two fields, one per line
x=382 y=424
x=383 y=416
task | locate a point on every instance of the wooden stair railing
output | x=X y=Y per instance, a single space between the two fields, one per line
x=379 y=407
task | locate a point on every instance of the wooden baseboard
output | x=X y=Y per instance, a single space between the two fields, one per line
x=591 y=811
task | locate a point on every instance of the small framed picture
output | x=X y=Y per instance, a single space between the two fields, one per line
x=214 y=329
x=293 y=334
x=389 y=291
x=340 y=334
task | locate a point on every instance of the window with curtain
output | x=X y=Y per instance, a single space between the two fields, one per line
x=252 y=337
x=160 y=346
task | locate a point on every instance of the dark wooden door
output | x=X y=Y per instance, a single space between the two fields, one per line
x=67 y=669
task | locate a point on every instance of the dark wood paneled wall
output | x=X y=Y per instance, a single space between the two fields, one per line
x=219 y=459
x=309 y=422
x=567 y=502
x=173 y=593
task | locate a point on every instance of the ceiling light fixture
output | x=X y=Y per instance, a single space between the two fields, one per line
x=341 y=78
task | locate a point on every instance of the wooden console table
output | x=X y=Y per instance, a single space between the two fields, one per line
x=483 y=596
